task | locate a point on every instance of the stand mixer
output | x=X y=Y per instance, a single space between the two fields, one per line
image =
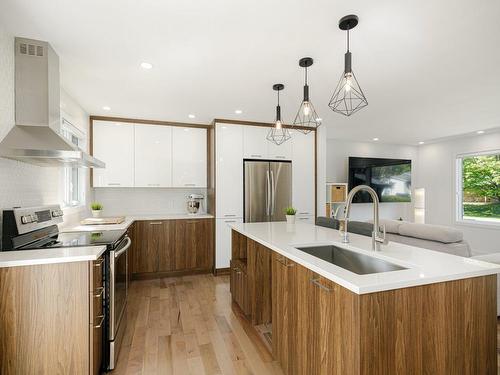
x=194 y=203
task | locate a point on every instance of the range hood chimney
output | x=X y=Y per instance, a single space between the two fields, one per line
x=36 y=138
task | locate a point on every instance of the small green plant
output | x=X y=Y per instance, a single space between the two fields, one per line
x=96 y=206
x=290 y=211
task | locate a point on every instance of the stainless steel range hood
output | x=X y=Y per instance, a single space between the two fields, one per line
x=36 y=138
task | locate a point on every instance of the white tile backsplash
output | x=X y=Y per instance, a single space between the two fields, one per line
x=145 y=201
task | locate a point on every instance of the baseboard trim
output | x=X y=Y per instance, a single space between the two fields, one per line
x=158 y=275
x=222 y=271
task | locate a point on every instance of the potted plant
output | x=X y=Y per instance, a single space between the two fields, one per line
x=96 y=208
x=290 y=215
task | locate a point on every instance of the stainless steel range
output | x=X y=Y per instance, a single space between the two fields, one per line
x=35 y=228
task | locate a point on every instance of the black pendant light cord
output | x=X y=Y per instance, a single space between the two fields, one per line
x=347 y=40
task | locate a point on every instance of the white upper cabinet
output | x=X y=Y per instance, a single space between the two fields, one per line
x=153 y=156
x=189 y=157
x=255 y=144
x=113 y=143
x=229 y=170
x=303 y=160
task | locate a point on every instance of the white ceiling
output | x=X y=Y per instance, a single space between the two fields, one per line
x=429 y=69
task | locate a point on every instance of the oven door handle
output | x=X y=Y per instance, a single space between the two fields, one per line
x=124 y=248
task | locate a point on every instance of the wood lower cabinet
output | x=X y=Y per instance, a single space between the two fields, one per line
x=322 y=328
x=169 y=247
x=239 y=286
x=51 y=319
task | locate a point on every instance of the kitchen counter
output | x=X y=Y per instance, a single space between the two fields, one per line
x=423 y=266
x=50 y=256
x=129 y=220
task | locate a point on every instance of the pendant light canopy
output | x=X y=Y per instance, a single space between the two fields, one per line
x=306 y=116
x=348 y=97
x=278 y=134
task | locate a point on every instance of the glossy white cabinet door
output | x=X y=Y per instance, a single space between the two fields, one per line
x=153 y=156
x=303 y=173
x=255 y=144
x=282 y=151
x=189 y=157
x=229 y=170
x=113 y=143
x=223 y=241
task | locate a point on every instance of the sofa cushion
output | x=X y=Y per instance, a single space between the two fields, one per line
x=437 y=233
x=327 y=222
x=391 y=226
x=360 y=227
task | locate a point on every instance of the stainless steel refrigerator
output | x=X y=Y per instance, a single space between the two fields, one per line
x=267 y=190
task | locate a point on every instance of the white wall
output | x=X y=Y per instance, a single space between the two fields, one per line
x=436 y=173
x=338 y=152
x=144 y=201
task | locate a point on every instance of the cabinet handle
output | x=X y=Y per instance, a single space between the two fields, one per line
x=317 y=283
x=284 y=262
x=156 y=223
x=237 y=270
x=189 y=184
x=100 y=293
x=153 y=184
x=304 y=213
x=114 y=184
x=99 y=262
x=229 y=215
x=229 y=221
x=303 y=218
x=280 y=157
x=256 y=156
x=100 y=323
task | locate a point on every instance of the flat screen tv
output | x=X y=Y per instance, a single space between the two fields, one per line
x=390 y=178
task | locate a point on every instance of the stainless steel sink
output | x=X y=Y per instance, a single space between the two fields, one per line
x=350 y=260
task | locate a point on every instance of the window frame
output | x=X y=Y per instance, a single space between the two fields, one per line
x=459 y=218
x=78 y=138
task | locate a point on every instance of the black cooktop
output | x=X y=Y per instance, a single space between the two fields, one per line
x=109 y=238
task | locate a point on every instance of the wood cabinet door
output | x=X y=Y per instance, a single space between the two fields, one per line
x=284 y=304
x=145 y=254
x=166 y=249
x=260 y=281
x=193 y=244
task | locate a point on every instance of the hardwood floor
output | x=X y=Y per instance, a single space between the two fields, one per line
x=186 y=326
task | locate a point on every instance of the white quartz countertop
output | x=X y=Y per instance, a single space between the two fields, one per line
x=130 y=219
x=50 y=256
x=423 y=266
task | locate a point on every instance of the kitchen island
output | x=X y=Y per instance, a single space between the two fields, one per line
x=434 y=314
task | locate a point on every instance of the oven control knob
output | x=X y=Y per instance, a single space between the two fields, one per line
x=25 y=219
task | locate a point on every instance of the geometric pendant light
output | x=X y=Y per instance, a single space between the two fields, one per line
x=306 y=116
x=278 y=134
x=348 y=98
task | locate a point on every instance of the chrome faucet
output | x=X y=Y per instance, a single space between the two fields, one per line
x=377 y=237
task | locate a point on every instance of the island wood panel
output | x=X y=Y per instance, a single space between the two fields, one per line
x=284 y=312
x=440 y=329
x=238 y=245
x=44 y=319
x=259 y=282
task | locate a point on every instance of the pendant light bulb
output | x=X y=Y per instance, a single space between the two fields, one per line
x=278 y=134
x=306 y=119
x=348 y=97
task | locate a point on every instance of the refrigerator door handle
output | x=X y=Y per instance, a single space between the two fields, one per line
x=268 y=193
x=273 y=189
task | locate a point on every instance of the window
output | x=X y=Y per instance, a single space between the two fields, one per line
x=73 y=179
x=478 y=192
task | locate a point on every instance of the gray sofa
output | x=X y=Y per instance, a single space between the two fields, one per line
x=428 y=236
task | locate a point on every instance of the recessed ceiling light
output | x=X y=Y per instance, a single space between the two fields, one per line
x=421 y=142
x=191 y=116
x=106 y=108
x=480 y=132
x=238 y=111
x=146 y=65
x=375 y=139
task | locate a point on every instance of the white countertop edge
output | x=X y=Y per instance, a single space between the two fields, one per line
x=50 y=256
x=369 y=289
